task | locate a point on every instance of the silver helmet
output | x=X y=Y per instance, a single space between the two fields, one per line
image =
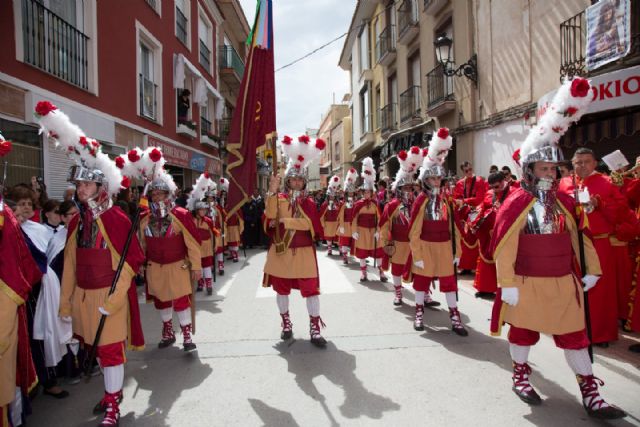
x=159 y=184
x=83 y=173
x=201 y=205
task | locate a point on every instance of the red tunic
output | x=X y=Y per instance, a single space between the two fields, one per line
x=603 y=299
x=486 y=279
x=471 y=191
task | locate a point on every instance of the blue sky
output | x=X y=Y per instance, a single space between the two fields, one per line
x=305 y=90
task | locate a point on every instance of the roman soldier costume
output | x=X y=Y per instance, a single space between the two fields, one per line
x=430 y=235
x=329 y=213
x=345 y=215
x=218 y=215
x=234 y=223
x=172 y=245
x=292 y=222
x=207 y=233
x=95 y=242
x=394 y=224
x=535 y=245
x=18 y=273
x=365 y=229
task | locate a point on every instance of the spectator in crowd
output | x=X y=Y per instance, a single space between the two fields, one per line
x=493 y=169
x=40 y=194
x=565 y=168
x=381 y=195
x=50 y=216
x=183 y=105
x=181 y=199
x=37 y=239
x=69 y=193
x=252 y=212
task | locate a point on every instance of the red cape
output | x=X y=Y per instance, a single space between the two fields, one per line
x=186 y=220
x=19 y=272
x=116 y=226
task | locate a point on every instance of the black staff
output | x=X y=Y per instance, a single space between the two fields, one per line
x=116 y=277
x=583 y=267
x=453 y=246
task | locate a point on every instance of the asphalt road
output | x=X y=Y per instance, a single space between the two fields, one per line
x=376 y=369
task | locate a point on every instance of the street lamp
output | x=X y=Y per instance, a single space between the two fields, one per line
x=469 y=69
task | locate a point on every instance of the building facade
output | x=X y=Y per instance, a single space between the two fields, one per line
x=118 y=70
x=510 y=56
x=334 y=116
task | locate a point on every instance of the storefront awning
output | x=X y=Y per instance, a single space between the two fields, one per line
x=599 y=131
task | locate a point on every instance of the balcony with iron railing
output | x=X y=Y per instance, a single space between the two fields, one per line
x=231 y=65
x=205 y=56
x=386 y=46
x=410 y=104
x=147 y=94
x=224 y=126
x=408 y=27
x=207 y=135
x=53 y=45
x=388 y=121
x=181 y=26
x=440 y=97
x=574 y=46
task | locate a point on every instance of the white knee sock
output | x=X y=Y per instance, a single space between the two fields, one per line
x=113 y=378
x=345 y=249
x=313 y=306
x=206 y=273
x=283 y=303
x=579 y=361
x=397 y=280
x=419 y=297
x=451 y=299
x=166 y=314
x=519 y=353
x=363 y=263
x=234 y=248
x=184 y=317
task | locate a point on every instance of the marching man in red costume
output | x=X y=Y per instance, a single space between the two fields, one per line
x=365 y=229
x=329 y=213
x=394 y=225
x=603 y=212
x=486 y=281
x=95 y=241
x=292 y=222
x=18 y=273
x=206 y=230
x=217 y=215
x=430 y=235
x=234 y=223
x=536 y=244
x=172 y=246
x=345 y=215
x=468 y=193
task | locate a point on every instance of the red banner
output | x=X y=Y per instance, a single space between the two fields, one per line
x=254 y=119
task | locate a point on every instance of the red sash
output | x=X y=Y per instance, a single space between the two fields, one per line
x=544 y=255
x=233 y=221
x=400 y=232
x=332 y=216
x=165 y=250
x=367 y=220
x=204 y=234
x=435 y=231
x=93 y=268
x=348 y=214
x=301 y=239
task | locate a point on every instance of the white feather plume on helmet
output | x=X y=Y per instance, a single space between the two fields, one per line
x=300 y=154
x=368 y=174
x=334 y=184
x=224 y=185
x=436 y=155
x=409 y=161
x=350 y=180
x=202 y=185
x=568 y=105
x=86 y=152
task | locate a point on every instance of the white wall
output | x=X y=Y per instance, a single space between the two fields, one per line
x=496 y=145
x=355 y=95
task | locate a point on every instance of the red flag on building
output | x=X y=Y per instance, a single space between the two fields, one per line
x=254 y=119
